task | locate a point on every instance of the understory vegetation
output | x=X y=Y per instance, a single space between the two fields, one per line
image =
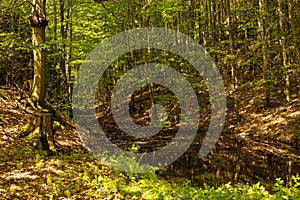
x=34 y=175
x=254 y=46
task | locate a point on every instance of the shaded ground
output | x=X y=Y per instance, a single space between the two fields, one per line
x=264 y=145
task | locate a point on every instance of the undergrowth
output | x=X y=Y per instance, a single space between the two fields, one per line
x=34 y=175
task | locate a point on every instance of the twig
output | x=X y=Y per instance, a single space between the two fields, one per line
x=18 y=5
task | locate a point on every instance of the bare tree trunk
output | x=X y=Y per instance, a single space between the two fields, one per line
x=38 y=22
x=265 y=38
x=282 y=42
x=55 y=29
x=63 y=33
x=41 y=123
x=293 y=18
x=232 y=62
x=69 y=69
x=64 y=64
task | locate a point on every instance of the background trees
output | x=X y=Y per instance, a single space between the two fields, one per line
x=252 y=41
x=240 y=35
x=255 y=45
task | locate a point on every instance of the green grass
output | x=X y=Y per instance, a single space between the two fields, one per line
x=77 y=176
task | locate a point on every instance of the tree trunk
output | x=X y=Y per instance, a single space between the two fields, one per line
x=63 y=32
x=41 y=123
x=40 y=128
x=64 y=64
x=294 y=17
x=282 y=42
x=69 y=69
x=265 y=38
x=232 y=61
x=38 y=23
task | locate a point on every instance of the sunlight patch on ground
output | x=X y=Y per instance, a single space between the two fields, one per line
x=17 y=174
x=294 y=114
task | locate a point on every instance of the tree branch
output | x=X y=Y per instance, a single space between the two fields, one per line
x=18 y=5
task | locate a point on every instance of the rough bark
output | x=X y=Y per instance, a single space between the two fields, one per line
x=40 y=128
x=41 y=124
x=38 y=23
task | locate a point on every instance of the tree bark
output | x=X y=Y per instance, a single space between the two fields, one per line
x=265 y=39
x=38 y=23
x=282 y=42
x=41 y=123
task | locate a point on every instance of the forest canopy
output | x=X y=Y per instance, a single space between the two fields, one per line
x=255 y=46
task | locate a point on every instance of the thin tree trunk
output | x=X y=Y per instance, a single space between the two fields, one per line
x=69 y=70
x=55 y=29
x=266 y=58
x=294 y=28
x=282 y=42
x=232 y=62
x=293 y=17
x=64 y=65
x=63 y=33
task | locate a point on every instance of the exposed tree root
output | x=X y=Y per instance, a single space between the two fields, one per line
x=40 y=126
x=59 y=116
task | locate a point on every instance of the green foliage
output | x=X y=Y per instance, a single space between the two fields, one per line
x=292 y=192
x=205 y=21
x=78 y=176
x=149 y=186
x=15 y=48
x=128 y=162
x=87 y=23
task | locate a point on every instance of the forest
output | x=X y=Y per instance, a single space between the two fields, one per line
x=217 y=81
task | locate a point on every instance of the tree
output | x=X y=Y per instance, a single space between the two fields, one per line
x=282 y=42
x=38 y=23
x=265 y=40
x=41 y=124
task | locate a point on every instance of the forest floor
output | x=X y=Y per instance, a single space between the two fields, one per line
x=262 y=146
